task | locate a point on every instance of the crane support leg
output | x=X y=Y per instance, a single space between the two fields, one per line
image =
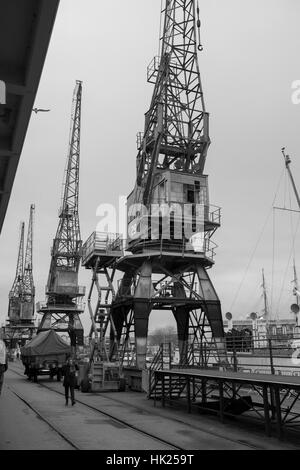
x=186 y=290
x=181 y=315
x=142 y=309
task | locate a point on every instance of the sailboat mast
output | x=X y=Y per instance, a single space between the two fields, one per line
x=296 y=286
x=287 y=164
x=266 y=306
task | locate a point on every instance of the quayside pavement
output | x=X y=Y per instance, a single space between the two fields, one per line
x=36 y=418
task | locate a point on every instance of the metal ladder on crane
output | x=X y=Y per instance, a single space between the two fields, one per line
x=99 y=255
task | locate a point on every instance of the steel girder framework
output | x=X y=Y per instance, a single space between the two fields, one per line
x=264 y=399
x=15 y=294
x=99 y=254
x=101 y=321
x=63 y=292
x=186 y=291
x=175 y=140
x=28 y=283
x=14 y=335
x=20 y=323
x=67 y=242
x=176 y=125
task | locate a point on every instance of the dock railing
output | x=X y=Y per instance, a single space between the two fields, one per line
x=205 y=248
x=275 y=355
x=102 y=243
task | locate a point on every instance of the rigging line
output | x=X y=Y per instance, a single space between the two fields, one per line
x=251 y=258
x=256 y=305
x=285 y=186
x=286 y=269
x=292 y=252
x=252 y=295
x=291 y=223
x=293 y=239
x=273 y=262
x=257 y=243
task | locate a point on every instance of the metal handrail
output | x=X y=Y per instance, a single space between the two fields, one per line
x=102 y=241
x=183 y=245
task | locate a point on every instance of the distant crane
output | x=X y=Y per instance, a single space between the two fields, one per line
x=16 y=292
x=20 y=324
x=62 y=308
x=28 y=293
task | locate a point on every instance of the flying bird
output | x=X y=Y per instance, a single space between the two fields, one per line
x=36 y=110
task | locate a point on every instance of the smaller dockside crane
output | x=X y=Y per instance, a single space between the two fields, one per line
x=20 y=323
x=15 y=294
x=62 y=308
x=28 y=294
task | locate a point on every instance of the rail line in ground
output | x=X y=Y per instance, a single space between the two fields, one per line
x=181 y=421
x=145 y=433
x=45 y=420
x=112 y=417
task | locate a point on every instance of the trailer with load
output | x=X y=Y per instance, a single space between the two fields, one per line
x=45 y=354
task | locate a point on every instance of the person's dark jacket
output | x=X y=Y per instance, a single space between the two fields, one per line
x=4 y=367
x=69 y=373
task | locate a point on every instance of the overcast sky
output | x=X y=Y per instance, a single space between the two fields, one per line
x=251 y=58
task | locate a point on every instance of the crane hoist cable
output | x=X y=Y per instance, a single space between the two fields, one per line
x=200 y=47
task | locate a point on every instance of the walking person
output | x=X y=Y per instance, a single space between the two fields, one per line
x=70 y=379
x=3 y=363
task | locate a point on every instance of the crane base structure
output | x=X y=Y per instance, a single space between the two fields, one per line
x=18 y=334
x=161 y=280
x=62 y=319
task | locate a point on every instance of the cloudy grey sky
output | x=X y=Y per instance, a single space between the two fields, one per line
x=251 y=57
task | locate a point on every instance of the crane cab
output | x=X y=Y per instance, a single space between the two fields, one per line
x=179 y=213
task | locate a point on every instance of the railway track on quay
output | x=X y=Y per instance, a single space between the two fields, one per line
x=145 y=434
x=68 y=439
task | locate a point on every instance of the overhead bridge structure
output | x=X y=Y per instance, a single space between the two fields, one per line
x=25 y=32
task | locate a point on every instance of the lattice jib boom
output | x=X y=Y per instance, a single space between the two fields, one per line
x=176 y=125
x=67 y=243
x=17 y=287
x=28 y=284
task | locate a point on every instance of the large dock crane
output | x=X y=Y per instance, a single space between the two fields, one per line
x=20 y=324
x=62 y=308
x=171 y=221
